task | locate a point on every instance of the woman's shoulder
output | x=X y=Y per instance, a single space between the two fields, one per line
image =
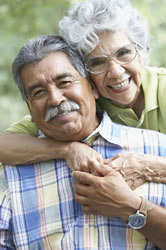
x=155 y=76
x=160 y=71
x=24 y=126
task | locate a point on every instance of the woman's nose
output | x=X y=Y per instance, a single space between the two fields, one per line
x=115 y=70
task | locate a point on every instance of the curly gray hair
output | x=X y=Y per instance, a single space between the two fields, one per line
x=88 y=18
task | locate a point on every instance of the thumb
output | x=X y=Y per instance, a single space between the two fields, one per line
x=83 y=177
x=101 y=170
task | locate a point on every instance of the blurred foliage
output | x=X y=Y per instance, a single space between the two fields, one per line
x=154 y=12
x=21 y=20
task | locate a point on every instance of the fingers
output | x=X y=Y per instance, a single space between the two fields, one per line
x=80 y=198
x=81 y=192
x=84 y=202
x=83 y=177
x=108 y=161
x=101 y=170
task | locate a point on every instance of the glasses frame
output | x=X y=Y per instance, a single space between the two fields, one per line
x=111 y=57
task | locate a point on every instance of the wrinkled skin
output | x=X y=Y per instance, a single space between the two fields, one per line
x=138 y=168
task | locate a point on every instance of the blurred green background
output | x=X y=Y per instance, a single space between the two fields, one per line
x=21 y=20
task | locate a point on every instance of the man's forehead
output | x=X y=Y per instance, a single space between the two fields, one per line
x=58 y=56
x=56 y=63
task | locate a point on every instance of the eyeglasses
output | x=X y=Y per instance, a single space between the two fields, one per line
x=122 y=56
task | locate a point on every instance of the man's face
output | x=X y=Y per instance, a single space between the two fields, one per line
x=54 y=82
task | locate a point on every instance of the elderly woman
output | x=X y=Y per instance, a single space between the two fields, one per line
x=114 y=43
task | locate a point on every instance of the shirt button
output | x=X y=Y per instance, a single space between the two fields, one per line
x=126 y=114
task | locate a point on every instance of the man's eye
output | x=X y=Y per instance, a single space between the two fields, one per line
x=64 y=83
x=38 y=92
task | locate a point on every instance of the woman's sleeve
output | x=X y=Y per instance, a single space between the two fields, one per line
x=24 y=126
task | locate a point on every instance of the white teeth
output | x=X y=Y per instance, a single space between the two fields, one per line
x=120 y=85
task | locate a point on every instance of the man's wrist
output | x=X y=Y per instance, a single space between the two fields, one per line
x=138 y=219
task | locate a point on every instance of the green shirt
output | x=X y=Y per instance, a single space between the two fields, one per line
x=153 y=116
x=25 y=126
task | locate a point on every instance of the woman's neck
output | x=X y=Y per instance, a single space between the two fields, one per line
x=139 y=104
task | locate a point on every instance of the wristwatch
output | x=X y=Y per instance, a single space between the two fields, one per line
x=138 y=220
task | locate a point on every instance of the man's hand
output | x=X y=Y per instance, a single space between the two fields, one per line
x=108 y=195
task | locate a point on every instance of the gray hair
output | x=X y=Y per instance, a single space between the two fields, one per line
x=36 y=49
x=88 y=18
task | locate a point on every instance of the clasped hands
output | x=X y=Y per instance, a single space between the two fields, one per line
x=103 y=184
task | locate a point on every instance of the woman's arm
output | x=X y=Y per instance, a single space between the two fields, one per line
x=20 y=145
x=24 y=149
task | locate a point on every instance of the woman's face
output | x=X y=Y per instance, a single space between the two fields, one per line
x=120 y=83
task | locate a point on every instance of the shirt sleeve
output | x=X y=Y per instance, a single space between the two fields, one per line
x=6 y=237
x=24 y=126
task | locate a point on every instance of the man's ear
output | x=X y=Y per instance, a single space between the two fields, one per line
x=94 y=89
x=30 y=112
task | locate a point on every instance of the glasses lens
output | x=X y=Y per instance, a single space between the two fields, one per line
x=97 y=64
x=125 y=54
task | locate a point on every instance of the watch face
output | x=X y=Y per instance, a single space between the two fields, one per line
x=137 y=221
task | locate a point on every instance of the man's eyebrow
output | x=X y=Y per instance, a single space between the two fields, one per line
x=61 y=76
x=38 y=85
x=31 y=88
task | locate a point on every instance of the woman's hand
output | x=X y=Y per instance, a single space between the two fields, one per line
x=81 y=157
x=138 y=168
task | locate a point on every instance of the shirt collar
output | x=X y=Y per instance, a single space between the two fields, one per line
x=107 y=129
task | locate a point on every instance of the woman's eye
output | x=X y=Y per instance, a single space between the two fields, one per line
x=96 y=62
x=123 y=52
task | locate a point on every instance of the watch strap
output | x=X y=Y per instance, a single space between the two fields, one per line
x=144 y=206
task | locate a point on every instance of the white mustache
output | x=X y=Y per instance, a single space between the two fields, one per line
x=63 y=108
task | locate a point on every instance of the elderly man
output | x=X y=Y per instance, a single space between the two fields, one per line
x=37 y=205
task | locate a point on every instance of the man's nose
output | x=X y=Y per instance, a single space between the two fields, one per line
x=55 y=96
x=115 y=70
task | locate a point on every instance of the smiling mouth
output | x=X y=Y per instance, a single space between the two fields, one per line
x=121 y=85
